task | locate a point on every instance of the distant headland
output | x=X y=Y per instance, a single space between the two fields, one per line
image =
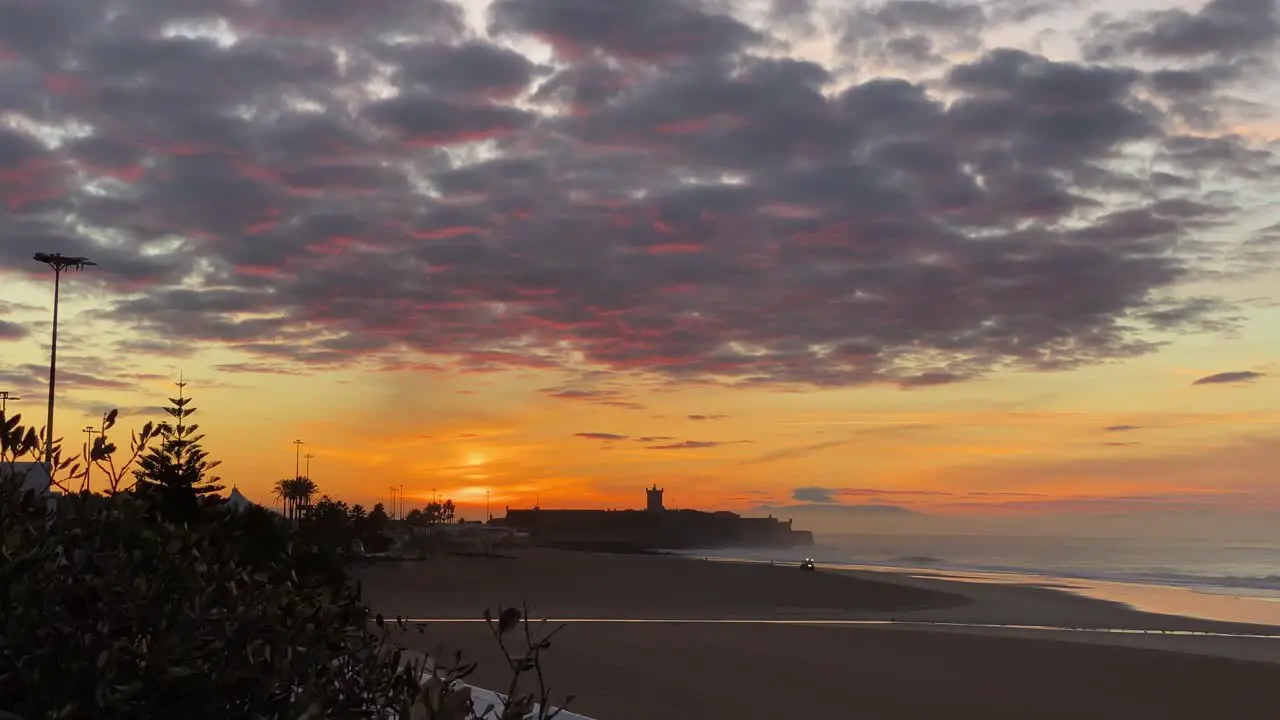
x=654 y=528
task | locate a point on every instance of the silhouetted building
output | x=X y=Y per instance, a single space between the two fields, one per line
x=655 y=499
x=655 y=527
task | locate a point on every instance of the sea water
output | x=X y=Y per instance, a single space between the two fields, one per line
x=1203 y=578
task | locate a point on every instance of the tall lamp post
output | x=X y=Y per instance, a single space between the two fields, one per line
x=5 y=397
x=58 y=262
x=89 y=431
x=297 y=458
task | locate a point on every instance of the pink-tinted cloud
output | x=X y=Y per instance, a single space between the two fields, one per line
x=669 y=198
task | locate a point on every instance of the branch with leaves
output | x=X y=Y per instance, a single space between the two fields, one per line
x=103 y=453
x=26 y=444
x=517 y=705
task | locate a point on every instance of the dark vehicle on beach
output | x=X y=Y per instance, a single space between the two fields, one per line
x=807 y=564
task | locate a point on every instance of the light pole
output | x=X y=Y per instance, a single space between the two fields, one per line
x=58 y=262
x=297 y=458
x=88 y=453
x=5 y=397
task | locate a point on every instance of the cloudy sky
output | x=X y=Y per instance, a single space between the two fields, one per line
x=995 y=258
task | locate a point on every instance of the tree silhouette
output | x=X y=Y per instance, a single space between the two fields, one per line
x=280 y=491
x=295 y=495
x=378 y=518
x=440 y=512
x=177 y=470
x=299 y=491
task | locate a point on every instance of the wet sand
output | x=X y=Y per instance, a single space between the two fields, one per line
x=697 y=668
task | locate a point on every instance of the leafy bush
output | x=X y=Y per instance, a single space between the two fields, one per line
x=113 y=611
x=111 y=615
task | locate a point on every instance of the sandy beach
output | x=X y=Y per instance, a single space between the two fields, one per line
x=951 y=653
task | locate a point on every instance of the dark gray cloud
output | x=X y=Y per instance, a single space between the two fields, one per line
x=1225 y=378
x=256 y=369
x=912 y=32
x=72 y=372
x=816 y=494
x=813 y=495
x=1019 y=11
x=428 y=120
x=471 y=69
x=649 y=30
x=13 y=330
x=1121 y=428
x=836 y=509
x=598 y=396
x=707 y=417
x=666 y=442
x=694 y=444
x=1225 y=29
x=344 y=184
x=600 y=436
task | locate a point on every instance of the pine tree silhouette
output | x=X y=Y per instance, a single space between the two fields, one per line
x=177 y=470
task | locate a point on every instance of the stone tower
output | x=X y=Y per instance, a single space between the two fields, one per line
x=655 y=499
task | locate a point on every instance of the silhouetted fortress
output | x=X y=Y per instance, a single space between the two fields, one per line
x=655 y=528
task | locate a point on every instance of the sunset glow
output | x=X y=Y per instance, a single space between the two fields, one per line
x=800 y=258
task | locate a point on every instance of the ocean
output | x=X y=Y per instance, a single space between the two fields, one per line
x=1182 y=577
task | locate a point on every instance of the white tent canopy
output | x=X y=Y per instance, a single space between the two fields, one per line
x=237 y=501
x=34 y=476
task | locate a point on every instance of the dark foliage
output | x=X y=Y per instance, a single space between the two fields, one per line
x=110 y=615
x=177 y=471
x=113 y=610
x=434 y=513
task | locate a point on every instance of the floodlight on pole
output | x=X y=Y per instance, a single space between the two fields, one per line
x=58 y=262
x=5 y=397
x=308 y=457
x=297 y=458
x=90 y=431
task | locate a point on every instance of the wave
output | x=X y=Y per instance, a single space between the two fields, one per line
x=1168 y=574
x=1251 y=582
x=920 y=559
x=1172 y=578
x=1202 y=582
x=1153 y=577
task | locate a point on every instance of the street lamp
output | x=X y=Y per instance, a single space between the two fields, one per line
x=5 y=397
x=90 y=431
x=58 y=262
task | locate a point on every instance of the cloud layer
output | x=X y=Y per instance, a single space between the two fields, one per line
x=646 y=186
x=1225 y=378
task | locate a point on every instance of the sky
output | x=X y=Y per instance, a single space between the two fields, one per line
x=863 y=265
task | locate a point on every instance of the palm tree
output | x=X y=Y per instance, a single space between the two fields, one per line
x=280 y=491
x=299 y=491
x=307 y=488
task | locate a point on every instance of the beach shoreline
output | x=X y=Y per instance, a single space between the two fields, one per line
x=635 y=622
x=1146 y=597
x=717 y=588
